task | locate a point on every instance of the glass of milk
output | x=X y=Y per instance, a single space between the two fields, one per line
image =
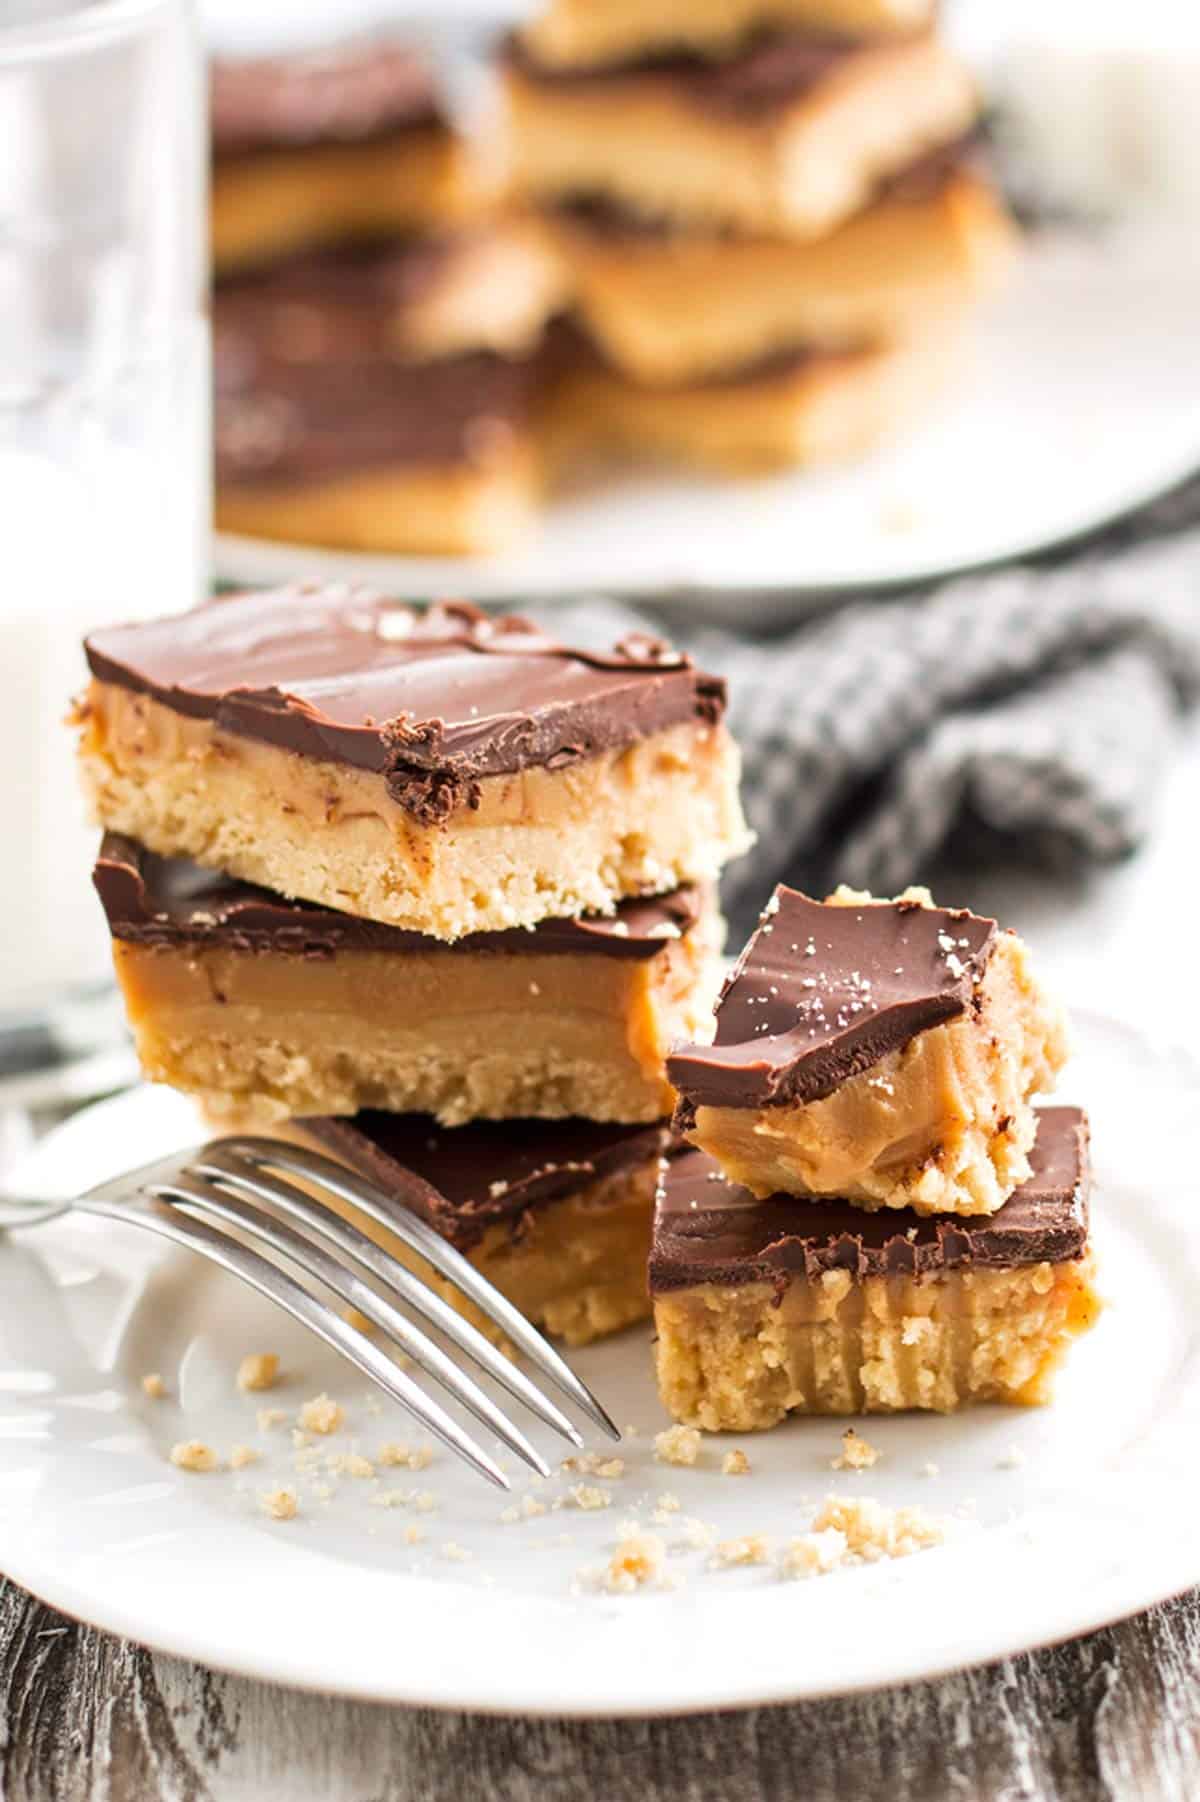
x=104 y=429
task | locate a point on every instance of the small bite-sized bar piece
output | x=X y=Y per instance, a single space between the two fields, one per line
x=668 y=306
x=333 y=426
x=579 y=33
x=789 y=136
x=444 y=771
x=557 y=1214
x=317 y=149
x=886 y=1053
x=768 y=1307
x=796 y=407
x=264 y=1008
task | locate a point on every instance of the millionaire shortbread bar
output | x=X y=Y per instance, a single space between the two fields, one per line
x=789 y=136
x=769 y=1307
x=320 y=148
x=675 y=306
x=264 y=1008
x=556 y=1213
x=443 y=771
x=883 y=1052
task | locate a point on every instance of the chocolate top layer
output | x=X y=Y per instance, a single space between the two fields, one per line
x=822 y=992
x=342 y=95
x=432 y=701
x=708 y=1230
x=767 y=76
x=463 y=1179
x=170 y=901
x=312 y=380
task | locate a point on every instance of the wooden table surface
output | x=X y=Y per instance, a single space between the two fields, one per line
x=88 y=1718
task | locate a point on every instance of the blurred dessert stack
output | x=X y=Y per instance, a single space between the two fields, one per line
x=376 y=310
x=769 y=213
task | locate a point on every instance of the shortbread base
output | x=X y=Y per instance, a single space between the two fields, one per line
x=424 y=509
x=636 y=139
x=942 y=1125
x=739 y=1359
x=819 y=411
x=642 y=819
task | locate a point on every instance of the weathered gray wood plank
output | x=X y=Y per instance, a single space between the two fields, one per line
x=1111 y=1718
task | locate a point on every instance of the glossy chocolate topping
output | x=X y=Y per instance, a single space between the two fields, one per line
x=343 y=95
x=767 y=76
x=822 y=992
x=462 y=1179
x=311 y=379
x=708 y=1230
x=433 y=701
x=170 y=901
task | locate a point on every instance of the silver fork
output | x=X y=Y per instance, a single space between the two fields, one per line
x=213 y=1197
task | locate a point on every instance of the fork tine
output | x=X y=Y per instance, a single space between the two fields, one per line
x=277 y=1286
x=196 y=1192
x=225 y=1166
x=299 y=1161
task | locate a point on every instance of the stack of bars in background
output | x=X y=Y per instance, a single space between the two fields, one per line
x=873 y=1211
x=769 y=215
x=733 y=236
x=430 y=890
x=377 y=311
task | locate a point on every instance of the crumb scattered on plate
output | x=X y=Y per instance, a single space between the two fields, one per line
x=280 y=1504
x=677 y=1445
x=857 y=1453
x=153 y=1386
x=321 y=1415
x=258 y=1370
x=193 y=1454
x=735 y=1464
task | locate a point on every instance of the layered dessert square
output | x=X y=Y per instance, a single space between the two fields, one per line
x=316 y=149
x=384 y=399
x=788 y=135
x=670 y=306
x=442 y=771
x=556 y=1214
x=578 y=33
x=768 y=1307
x=263 y=1008
x=886 y=1053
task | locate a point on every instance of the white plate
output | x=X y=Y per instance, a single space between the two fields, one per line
x=1061 y=1518
x=1084 y=402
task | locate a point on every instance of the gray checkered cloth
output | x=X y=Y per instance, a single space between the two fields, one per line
x=1037 y=705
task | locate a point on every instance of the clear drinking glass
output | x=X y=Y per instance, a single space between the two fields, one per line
x=105 y=500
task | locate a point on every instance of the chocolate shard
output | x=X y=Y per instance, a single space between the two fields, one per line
x=347 y=94
x=708 y=1230
x=823 y=991
x=433 y=701
x=172 y=902
x=463 y=1179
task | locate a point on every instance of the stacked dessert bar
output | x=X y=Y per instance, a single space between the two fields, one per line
x=767 y=212
x=870 y=1211
x=431 y=889
x=376 y=311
